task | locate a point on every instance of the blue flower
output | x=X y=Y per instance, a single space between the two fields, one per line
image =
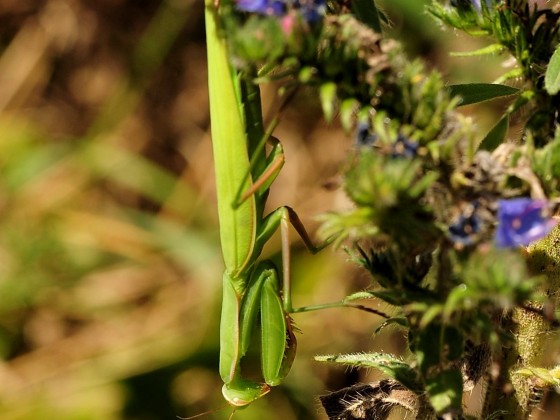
x=522 y=221
x=310 y=10
x=363 y=136
x=263 y=7
x=404 y=147
x=465 y=229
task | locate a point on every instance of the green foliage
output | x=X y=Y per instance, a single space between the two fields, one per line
x=552 y=75
x=526 y=32
x=546 y=164
x=496 y=135
x=327 y=94
x=269 y=46
x=390 y=365
x=366 y=11
x=460 y=299
x=473 y=93
x=445 y=391
x=388 y=192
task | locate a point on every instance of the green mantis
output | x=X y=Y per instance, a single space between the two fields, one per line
x=244 y=173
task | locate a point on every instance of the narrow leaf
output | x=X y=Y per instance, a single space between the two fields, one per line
x=386 y=363
x=490 y=49
x=359 y=296
x=402 y=321
x=552 y=75
x=327 y=93
x=542 y=374
x=394 y=298
x=366 y=12
x=454 y=342
x=496 y=136
x=306 y=74
x=348 y=110
x=473 y=93
x=510 y=75
x=432 y=313
x=428 y=350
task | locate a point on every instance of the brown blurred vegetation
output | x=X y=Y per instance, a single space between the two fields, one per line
x=110 y=264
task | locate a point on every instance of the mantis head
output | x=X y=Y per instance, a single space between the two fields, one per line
x=242 y=393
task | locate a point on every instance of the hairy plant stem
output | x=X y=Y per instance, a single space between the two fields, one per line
x=510 y=392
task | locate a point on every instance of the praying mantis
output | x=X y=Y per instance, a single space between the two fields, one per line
x=244 y=174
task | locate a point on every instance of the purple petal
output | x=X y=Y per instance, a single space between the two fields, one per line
x=263 y=7
x=522 y=221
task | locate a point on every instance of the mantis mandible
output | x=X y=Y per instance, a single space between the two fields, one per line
x=244 y=173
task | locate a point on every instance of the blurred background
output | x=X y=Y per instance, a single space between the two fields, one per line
x=110 y=262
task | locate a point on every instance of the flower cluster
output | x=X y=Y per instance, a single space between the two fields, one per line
x=520 y=221
x=402 y=147
x=309 y=10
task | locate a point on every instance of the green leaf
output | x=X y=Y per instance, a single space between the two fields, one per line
x=552 y=75
x=269 y=46
x=473 y=93
x=395 y=298
x=490 y=49
x=348 y=110
x=445 y=391
x=402 y=321
x=428 y=350
x=366 y=12
x=542 y=374
x=306 y=74
x=359 y=296
x=455 y=300
x=327 y=93
x=386 y=363
x=512 y=74
x=454 y=343
x=496 y=136
x=429 y=315
x=423 y=184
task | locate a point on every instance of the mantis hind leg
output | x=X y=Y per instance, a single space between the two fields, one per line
x=283 y=217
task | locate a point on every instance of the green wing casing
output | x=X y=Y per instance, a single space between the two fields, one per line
x=273 y=325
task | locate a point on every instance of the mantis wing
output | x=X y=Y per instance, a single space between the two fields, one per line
x=229 y=139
